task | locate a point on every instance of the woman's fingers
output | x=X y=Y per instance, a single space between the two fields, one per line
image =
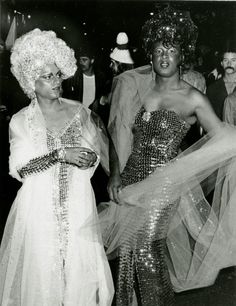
x=114 y=193
x=88 y=159
x=114 y=187
x=83 y=157
x=85 y=160
x=84 y=150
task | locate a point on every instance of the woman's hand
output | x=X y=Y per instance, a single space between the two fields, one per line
x=82 y=157
x=113 y=187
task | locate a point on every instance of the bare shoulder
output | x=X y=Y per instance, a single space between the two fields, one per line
x=197 y=98
x=203 y=110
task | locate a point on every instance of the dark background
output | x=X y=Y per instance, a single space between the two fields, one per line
x=100 y=21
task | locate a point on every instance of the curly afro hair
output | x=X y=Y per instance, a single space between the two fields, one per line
x=172 y=27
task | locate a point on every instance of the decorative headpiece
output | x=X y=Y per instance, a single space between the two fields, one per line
x=121 y=52
x=35 y=49
x=172 y=27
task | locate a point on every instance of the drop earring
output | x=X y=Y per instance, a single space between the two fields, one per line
x=152 y=70
x=151 y=63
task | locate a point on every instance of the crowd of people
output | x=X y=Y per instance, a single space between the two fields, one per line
x=115 y=172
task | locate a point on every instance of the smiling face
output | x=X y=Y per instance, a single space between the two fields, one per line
x=165 y=60
x=48 y=85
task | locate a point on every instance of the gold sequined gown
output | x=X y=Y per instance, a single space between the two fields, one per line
x=157 y=138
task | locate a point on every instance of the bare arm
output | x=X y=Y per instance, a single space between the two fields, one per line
x=205 y=113
x=114 y=183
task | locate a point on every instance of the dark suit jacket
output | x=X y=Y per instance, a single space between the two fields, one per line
x=216 y=93
x=73 y=87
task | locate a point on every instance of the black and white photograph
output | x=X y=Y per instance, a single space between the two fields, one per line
x=118 y=153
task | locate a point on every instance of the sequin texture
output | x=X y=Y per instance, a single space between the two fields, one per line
x=156 y=141
x=157 y=138
x=68 y=138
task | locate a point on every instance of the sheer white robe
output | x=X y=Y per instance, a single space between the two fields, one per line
x=31 y=271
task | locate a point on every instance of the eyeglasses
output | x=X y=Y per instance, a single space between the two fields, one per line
x=50 y=77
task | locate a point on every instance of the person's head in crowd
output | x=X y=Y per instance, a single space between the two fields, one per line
x=170 y=34
x=34 y=56
x=120 y=56
x=228 y=57
x=86 y=59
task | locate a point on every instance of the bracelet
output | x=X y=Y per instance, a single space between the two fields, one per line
x=39 y=164
x=61 y=155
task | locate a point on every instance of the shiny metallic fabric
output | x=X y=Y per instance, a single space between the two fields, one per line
x=157 y=138
x=68 y=137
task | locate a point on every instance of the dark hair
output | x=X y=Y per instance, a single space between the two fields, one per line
x=172 y=27
x=228 y=46
x=86 y=50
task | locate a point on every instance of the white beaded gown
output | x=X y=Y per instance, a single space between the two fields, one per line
x=45 y=258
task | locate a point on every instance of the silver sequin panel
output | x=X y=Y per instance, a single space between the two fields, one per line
x=68 y=138
x=157 y=138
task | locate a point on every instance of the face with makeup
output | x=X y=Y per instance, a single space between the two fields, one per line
x=48 y=84
x=166 y=59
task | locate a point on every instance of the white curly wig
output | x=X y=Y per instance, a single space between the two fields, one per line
x=35 y=49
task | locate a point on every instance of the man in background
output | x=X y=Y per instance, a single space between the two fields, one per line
x=87 y=86
x=88 y=83
x=221 y=88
